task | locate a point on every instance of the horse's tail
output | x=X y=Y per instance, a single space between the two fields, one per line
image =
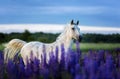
x=13 y=48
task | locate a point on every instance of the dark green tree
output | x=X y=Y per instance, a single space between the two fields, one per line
x=2 y=38
x=26 y=36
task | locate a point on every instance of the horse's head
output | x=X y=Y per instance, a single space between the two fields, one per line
x=74 y=31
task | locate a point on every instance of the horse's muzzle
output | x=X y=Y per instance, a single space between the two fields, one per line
x=80 y=38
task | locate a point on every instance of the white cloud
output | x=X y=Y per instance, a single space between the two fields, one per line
x=51 y=9
x=72 y=9
x=100 y=29
x=38 y=10
x=54 y=28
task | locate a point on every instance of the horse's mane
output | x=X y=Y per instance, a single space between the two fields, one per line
x=63 y=33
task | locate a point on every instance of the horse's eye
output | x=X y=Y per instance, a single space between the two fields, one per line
x=73 y=28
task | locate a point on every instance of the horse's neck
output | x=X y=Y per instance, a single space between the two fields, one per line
x=64 y=39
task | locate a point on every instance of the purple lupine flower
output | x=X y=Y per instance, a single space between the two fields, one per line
x=96 y=65
x=109 y=62
x=73 y=59
x=72 y=72
x=56 y=53
x=31 y=57
x=1 y=65
x=93 y=76
x=16 y=58
x=62 y=59
x=109 y=66
x=36 y=68
x=67 y=61
x=28 y=69
x=77 y=68
x=90 y=65
x=78 y=76
x=78 y=47
x=44 y=56
x=100 y=57
x=117 y=50
x=107 y=69
x=102 y=71
x=45 y=73
x=11 y=69
x=78 y=53
x=101 y=54
x=118 y=74
x=21 y=69
x=53 y=66
x=72 y=64
x=118 y=61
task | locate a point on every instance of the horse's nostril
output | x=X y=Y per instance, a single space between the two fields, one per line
x=80 y=38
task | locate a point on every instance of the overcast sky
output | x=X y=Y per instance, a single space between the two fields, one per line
x=104 y=13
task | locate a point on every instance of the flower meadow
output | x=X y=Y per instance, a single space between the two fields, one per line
x=74 y=64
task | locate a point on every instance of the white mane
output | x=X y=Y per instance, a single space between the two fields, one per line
x=63 y=33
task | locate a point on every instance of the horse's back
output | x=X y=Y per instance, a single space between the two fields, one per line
x=35 y=45
x=31 y=48
x=36 y=49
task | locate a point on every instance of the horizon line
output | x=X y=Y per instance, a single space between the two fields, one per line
x=51 y=28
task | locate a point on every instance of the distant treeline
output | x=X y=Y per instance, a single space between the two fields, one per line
x=50 y=37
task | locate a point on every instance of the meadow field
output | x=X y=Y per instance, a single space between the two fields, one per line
x=98 y=46
x=87 y=64
x=91 y=46
x=75 y=65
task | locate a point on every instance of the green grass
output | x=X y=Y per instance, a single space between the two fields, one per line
x=1 y=46
x=98 y=46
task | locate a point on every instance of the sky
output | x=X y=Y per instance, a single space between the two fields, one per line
x=95 y=13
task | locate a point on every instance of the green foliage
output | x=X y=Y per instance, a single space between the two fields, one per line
x=44 y=37
x=50 y=37
x=2 y=36
x=101 y=38
x=26 y=36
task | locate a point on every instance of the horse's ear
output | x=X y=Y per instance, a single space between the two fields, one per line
x=77 y=22
x=72 y=22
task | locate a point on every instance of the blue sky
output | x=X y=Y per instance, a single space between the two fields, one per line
x=88 y=12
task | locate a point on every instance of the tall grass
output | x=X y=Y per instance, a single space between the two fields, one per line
x=98 y=46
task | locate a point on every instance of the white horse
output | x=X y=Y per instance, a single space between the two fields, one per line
x=70 y=32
